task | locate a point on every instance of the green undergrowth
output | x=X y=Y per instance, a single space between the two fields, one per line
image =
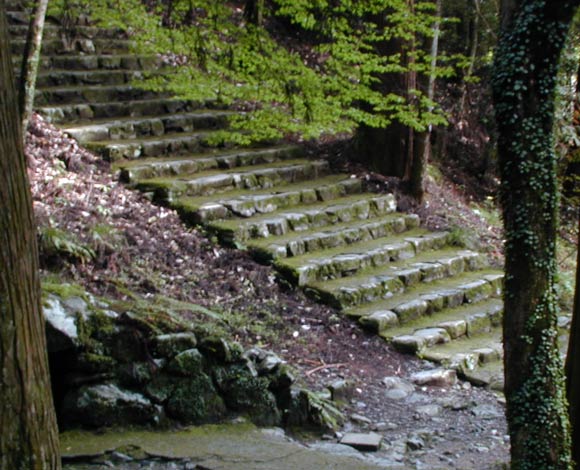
x=323 y=81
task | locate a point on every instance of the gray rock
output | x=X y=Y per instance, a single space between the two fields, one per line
x=341 y=391
x=429 y=410
x=485 y=411
x=266 y=362
x=108 y=405
x=397 y=388
x=367 y=441
x=61 y=328
x=415 y=442
x=360 y=419
x=435 y=377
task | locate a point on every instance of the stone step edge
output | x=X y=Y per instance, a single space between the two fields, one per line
x=249 y=205
x=131 y=172
x=305 y=271
x=245 y=178
x=391 y=284
x=432 y=300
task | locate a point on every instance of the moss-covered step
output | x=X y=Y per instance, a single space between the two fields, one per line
x=252 y=177
x=92 y=94
x=340 y=262
x=333 y=235
x=243 y=203
x=17 y=16
x=68 y=78
x=476 y=358
x=55 y=31
x=428 y=298
x=104 y=62
x=175 y=143
x=51 y=46
x=212 y=159
x=132 y=128
x=303 y=218
x=150 y=107
x=465 y=320
x=395 y=278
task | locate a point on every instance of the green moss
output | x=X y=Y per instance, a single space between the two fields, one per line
x=195 y=401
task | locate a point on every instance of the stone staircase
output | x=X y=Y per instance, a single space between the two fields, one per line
x=321 y=231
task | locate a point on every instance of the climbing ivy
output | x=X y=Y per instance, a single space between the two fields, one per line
x=524 y=84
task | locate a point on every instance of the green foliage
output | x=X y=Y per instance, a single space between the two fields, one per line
x=56 y=246
x=222 y=59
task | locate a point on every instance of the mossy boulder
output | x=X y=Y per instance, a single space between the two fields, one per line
x=195 y=400
x=108 y=405
x=170 y=345
x=310 y=410
x=189 y=363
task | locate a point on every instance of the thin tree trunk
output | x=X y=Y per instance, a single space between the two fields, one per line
x=254 y=12
x=28 y=436
x=524 y=81
x=31 y=62
x=423 y=146
x=573 y=364
x=472 y=58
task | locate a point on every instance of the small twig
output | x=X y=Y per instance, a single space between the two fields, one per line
x=325 y=366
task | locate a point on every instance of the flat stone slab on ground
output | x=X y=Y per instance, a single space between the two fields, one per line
x=360 y=441
x=223 y=447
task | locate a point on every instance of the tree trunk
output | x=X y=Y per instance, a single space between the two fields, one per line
x=573 y=364
x=422 y=146
x=29 y=436
x=524 y=87
x=30 y=63
x=254 y=11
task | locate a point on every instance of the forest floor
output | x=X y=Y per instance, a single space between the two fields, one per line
x=118 y=244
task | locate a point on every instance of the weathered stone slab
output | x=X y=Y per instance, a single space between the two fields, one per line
x=368 y=442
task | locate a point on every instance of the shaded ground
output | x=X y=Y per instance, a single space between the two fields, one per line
x=115 y=243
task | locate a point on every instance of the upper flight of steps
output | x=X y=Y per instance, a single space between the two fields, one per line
x=346 y=247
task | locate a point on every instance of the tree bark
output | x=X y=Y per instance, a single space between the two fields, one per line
x=422 y=147
x=254 y=11
x=29 y=436
x=30 y=62
x=573 y=364
x=524 y=87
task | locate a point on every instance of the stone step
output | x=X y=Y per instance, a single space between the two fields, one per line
x=138 y=108
x=71 y=78
x=343 y=261
x=55 y=31
x=92 y=94
x=395 y=278
x=102 y=62
x=56 y=45
x=133 y=128
x=170 y=144
x=427 y=298
x=255 y=177
x=17 y=16
x=149 y=168
x=453 y=323
x=250 y=203
x=477 y=358
x=301 y=219
x=339 y=234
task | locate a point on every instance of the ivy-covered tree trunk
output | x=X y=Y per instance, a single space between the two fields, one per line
x=254 y=11
x=573 y=365
x=526 y=65
x=28 y=436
